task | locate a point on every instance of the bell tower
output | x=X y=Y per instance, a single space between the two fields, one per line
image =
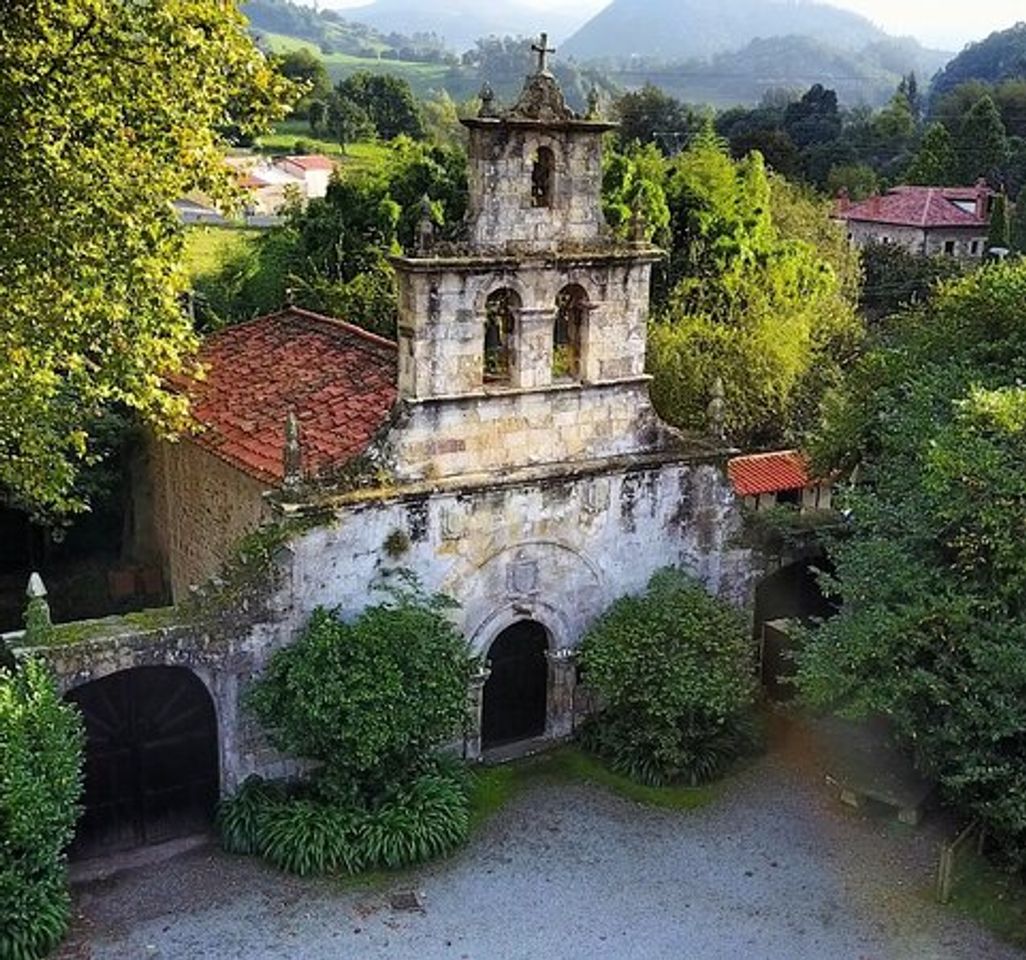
x=524 y=343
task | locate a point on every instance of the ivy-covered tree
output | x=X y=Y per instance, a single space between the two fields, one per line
x=931 y=572
x=112 y=110
x=632 y=192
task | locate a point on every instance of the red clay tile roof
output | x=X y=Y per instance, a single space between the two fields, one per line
x=917 y=207
x=768 y=472
x=338 y=379
x=313 y=161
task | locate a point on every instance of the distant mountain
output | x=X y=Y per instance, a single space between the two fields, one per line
x=1002 y=56
x=793 y=63
x=685 y=29
x=461 y=22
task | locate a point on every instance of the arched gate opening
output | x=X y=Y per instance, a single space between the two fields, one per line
x=151 y=771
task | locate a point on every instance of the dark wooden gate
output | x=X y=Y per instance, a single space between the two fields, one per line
x=516 y=692
x=151 y=759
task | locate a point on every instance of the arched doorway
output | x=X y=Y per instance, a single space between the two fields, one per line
x=151 y=771
x=516 y=692
x=791 y=593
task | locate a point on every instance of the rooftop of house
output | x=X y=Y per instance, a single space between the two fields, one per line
x=774 y=472
x=312 y=161
x=922 y=207
x=339 y=380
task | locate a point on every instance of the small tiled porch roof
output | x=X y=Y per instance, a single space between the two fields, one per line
x=774 y=472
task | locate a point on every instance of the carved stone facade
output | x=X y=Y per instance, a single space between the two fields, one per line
x=522 y=463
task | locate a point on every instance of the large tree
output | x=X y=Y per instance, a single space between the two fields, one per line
x=932 y=568
x=761 y=287
x=112 y=109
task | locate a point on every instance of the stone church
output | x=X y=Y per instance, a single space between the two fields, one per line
x=503 y=450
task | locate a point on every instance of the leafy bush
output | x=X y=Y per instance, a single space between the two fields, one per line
x=239 y=816
x=673 y=668
x=41 y=742
x=312 y=832
x=415 y=823
x=304 y=836
x=369 y=702
x=370 y=699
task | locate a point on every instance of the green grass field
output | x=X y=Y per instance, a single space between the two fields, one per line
x=425 y=78
x=357 y=156
x=207 y=248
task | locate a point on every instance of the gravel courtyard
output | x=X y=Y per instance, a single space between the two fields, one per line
x=772 y=870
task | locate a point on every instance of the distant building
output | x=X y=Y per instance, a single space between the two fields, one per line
x=313 y=171
x=922 y=220
x=779 y=478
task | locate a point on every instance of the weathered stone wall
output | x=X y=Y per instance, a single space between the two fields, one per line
x=558 y=549
x=918 y=241
x=202 y=506
x=501 y=160
x=491 y=433
x=442 y=320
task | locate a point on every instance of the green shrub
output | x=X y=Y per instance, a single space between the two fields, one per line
x=305 y=836
x=41 y=743
x=238 y=817
x=673 y=669
x=428 y=819
x=369 y=700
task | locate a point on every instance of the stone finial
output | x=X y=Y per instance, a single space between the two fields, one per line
x=292 y=456
x=425 y=226
x=638 y=226
x=593 y=104
x=38 y=624
x=36 y=587
x=487 y=101
x=716 y=412
x=290 y=297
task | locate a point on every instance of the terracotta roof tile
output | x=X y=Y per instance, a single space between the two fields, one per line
x=768 y=472
x=312 y=161
x=918 y=207
x=338 y=379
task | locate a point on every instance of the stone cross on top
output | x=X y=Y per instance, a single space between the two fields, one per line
x=543 y=50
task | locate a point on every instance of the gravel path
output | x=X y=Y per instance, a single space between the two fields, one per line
x=771 y=871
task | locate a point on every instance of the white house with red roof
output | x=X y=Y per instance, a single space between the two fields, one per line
x=923 y=220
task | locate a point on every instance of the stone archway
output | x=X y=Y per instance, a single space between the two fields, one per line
x=790 y=593
x=516 y=693
x=151 y=771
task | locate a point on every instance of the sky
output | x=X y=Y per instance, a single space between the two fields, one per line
x=945 y=24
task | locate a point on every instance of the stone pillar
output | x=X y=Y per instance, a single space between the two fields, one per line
x=533 y=366
x=562 y=682
x=475 y=706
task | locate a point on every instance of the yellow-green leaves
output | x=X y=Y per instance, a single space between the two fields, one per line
x=112 y=110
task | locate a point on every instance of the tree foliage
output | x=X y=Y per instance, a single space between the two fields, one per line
x=931 y=574
x=41 y=744
x=385 y=100
x=112 y=110
x=673 y=670
x=761 y=288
